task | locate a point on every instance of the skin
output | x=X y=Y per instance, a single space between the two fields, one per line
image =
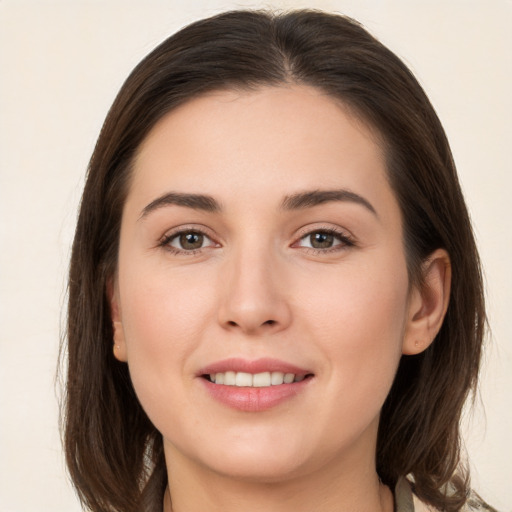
x=256 y=288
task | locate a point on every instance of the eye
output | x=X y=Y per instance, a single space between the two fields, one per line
x=187 y=241
x=324 y=239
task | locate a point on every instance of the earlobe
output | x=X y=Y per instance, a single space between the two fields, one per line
x=119 y=343
x=428 y=303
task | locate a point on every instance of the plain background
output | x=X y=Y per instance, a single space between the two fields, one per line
x=61 y=64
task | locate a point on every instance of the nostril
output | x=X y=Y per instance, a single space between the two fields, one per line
x=249 y=325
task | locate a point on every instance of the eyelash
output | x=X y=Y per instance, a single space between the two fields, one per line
x=344 y=239
x=165 y=242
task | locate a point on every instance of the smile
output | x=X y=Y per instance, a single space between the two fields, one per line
x=257 y=380
x=254 y=386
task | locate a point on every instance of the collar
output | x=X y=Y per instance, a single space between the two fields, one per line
x=404 y=500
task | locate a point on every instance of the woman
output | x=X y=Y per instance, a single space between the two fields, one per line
x=275 y=297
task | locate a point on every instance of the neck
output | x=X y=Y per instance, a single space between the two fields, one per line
x=331 y=489
x=380 y=500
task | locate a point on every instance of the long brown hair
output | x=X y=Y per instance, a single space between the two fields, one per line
x=114 y=453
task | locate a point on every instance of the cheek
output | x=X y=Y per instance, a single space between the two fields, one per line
x=356 y=301
x=359 y=324
x=164 y=317
x=163 y=309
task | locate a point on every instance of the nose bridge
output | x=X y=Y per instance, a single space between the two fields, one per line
x=254 y=299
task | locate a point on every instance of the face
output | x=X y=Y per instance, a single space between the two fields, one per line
x=262 y=298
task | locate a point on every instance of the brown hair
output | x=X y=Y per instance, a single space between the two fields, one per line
x=114 y=453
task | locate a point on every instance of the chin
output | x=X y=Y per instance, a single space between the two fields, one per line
x=265 y=460
x=260 y=469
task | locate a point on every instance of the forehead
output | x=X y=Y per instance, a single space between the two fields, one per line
x=271 y=141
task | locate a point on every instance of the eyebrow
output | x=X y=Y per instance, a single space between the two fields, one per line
x=298 y=201
x=312 y=198
x=195 y=201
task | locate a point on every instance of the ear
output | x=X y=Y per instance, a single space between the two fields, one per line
x=119 y=347
x=428 y=303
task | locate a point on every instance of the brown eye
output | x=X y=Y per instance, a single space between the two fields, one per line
x=188 y=241
x=191 y=241
x=324 y=240
x=321 y=240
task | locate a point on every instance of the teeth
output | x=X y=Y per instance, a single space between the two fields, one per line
x=258 y=380
x=288 y=378
x=277 y=378
x=229 y=378
x=243 y=379
x=261 y=380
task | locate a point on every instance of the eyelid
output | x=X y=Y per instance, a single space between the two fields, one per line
x=171 y=234
x=323 y=226
x=346 y=238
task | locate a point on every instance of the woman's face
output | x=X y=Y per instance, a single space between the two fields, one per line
x=261 y=243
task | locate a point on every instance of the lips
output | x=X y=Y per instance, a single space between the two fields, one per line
x=254 y=367
x=254 y=385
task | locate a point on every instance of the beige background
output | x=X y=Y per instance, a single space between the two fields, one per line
x=61 y=64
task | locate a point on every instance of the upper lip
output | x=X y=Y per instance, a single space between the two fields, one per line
x=236 y=364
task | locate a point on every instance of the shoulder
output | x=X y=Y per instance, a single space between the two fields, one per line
x=474 y=504
x=407 y=501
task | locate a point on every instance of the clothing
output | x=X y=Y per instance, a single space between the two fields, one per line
x=407 y=501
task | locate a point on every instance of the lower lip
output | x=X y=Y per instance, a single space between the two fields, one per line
x=251 y=399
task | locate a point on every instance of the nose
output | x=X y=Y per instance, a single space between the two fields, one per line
x=254 y=299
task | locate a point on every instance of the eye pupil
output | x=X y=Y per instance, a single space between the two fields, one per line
x=321 y=240
x=191 y=240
